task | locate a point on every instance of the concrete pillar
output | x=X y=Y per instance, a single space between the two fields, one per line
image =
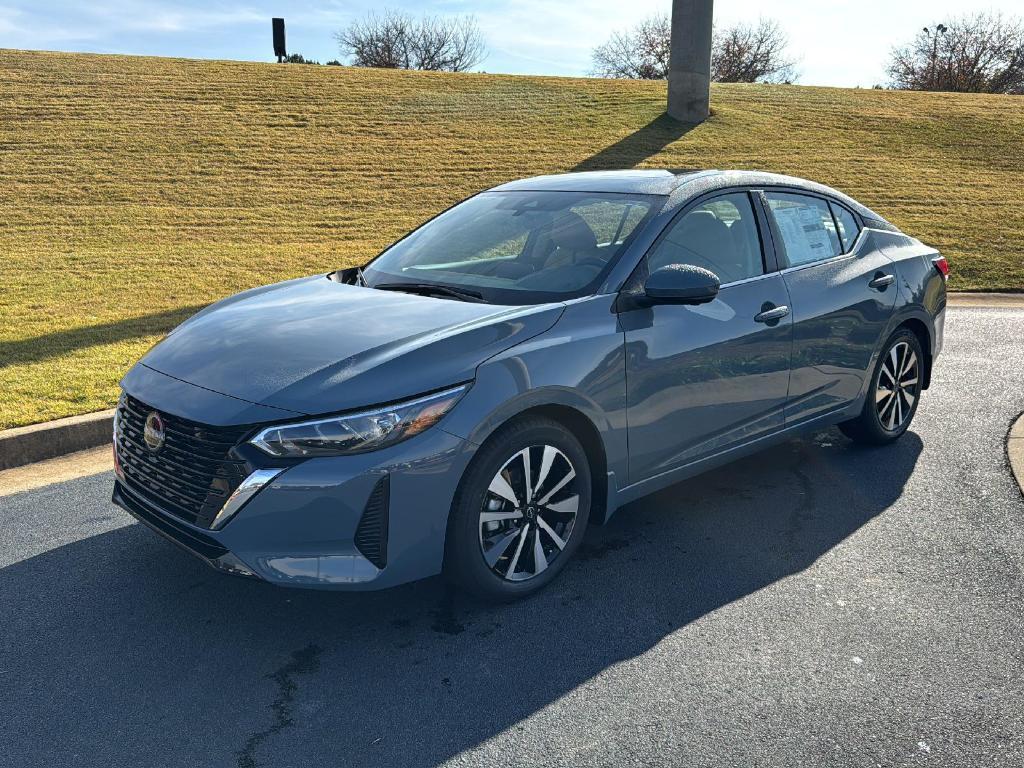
x=689 y=69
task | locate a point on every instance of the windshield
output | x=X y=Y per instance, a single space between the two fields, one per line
x=517 y=247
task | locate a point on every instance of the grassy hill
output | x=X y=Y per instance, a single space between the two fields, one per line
x=135 y=190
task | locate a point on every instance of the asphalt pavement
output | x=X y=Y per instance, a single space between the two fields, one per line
x=816 y=604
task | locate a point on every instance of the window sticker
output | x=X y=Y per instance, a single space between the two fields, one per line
x=804 y=233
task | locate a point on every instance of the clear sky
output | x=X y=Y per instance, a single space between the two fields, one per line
x=837 y=42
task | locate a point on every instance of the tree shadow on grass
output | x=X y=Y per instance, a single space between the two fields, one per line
x=637 y=147
x=144 y=656
x=39 y=348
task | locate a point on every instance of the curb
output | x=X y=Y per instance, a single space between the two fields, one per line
x=985 y=299
x=1015 y=450
x=25 y=445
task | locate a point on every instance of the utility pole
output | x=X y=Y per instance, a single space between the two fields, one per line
x=689 y=68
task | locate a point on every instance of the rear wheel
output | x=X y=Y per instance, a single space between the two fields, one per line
x=520 y=512
x=894 y=393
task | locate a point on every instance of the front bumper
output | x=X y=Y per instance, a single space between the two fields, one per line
x=302 y=529
x=189 y=538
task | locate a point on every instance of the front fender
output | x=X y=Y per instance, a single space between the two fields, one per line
x=577 y=364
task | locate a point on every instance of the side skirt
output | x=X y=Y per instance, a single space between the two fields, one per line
x=623 y=496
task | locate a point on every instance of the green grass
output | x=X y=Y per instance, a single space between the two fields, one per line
x=133 y=190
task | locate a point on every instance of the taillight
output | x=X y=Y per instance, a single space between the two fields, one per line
x=943 y=266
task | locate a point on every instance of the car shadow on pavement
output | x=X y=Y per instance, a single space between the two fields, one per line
x=120 y=649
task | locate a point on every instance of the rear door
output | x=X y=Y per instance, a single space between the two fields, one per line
x=843 y=292
x=700 y=379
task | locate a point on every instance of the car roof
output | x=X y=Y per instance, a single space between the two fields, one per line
x=637 y=182
x=688 y=183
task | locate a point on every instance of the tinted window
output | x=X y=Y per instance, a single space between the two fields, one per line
x=720 y=235
x=848 y=229
x=518 y=247
x=807 y=228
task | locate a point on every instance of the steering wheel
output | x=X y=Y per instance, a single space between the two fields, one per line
x=593 y=261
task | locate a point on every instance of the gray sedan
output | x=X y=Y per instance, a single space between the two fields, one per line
x=520 y=367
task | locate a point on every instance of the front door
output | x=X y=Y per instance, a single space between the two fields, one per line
x=700 y=379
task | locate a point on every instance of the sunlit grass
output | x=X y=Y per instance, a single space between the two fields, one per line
x=133 y=188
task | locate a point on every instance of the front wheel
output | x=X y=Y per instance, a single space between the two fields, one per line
x=520 y=511
x=894 y=393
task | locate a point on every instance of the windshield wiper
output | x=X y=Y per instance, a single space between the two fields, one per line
x=429 y=289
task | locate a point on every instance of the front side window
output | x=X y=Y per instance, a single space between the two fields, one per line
x=848 y=229
x=807 y=228
x=719 y=235
x=518 y=247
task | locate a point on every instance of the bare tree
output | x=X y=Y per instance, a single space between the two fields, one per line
x=741 y=53
x=638 y=54
x=397 y=40
x=983 y=53
x=752 y=54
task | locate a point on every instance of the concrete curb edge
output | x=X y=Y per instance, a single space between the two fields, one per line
x=1015 y=450
x=986 y=300
x=26 y=445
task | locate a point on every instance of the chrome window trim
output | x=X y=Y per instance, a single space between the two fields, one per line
x=746 y=280
x=798 y=267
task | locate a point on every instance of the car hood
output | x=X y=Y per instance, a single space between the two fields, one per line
x=315 y=346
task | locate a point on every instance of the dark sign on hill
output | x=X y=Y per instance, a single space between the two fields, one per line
x=279 y=47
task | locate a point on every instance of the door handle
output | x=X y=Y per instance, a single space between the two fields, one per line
x=771 y=315
x=881 y=280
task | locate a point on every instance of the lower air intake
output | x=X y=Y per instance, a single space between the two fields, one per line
x=372 y=534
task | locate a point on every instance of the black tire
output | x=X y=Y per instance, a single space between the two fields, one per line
x=884 y=419
x=469 y=534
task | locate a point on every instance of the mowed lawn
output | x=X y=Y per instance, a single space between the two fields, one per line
x=135 y=190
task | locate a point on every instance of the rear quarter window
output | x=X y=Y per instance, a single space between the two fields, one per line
x=847 y=224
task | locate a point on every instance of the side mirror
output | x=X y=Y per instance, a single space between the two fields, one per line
x=680 y=284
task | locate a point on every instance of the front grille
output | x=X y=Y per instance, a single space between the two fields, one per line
x=372 y=533
x=191 y=475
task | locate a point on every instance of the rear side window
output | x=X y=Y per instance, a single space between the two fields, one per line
x=808 y=230
x=720 y=235
x=848 y=229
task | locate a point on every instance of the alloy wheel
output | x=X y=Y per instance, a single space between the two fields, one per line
x=898 y=386
x=529 y=512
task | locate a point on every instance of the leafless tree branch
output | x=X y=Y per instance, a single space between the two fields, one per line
x=752 y=54
x=397 y=40
x=639 y=54
x=741 y=53
x=983 y=53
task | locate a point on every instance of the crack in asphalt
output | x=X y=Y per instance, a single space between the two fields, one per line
x=303 y=661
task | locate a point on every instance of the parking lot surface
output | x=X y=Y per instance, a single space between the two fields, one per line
x=816 y=604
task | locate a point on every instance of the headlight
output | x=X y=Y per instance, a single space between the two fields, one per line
x=358 y=432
